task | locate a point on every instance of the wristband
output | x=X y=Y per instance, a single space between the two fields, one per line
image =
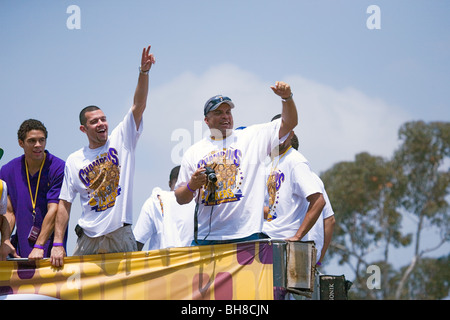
x=190 y=188
x=38 y=247
x=143 y=72
x=58 y=244
x=286 y=99
x=318 y=264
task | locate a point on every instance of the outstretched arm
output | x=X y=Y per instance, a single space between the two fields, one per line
x=62 y=219
x=48 y=226
x=289 y=117
x=140 y=96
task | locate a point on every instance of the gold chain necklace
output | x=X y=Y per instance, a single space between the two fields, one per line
x=279 y=158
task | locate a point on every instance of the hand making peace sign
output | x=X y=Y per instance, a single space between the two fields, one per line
x=147 y=60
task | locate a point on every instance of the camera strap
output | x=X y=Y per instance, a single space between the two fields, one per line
x=196 y=223
x=211 y=186
x=196 y=220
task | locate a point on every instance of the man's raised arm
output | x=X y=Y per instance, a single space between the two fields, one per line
x=140 y=96
x=289 y=117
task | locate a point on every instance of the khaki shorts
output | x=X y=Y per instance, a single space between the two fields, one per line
x=121 y=240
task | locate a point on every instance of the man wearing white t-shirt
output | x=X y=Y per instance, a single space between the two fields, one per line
x=296 y=198
x=327 y=215
x=102 y=174
x=3 y=199
x=163 y=221
x=322 y=231
x=4 y=225
x=229 y=209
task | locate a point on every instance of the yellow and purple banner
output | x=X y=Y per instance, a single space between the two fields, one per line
x=220 y=272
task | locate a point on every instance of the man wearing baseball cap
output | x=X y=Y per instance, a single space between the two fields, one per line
x=224 y=173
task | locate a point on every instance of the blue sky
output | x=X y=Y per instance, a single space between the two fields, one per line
x=353 y=86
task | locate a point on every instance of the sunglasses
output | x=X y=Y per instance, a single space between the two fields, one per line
x=214 y=101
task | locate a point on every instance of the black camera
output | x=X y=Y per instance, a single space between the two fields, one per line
x=211 y=174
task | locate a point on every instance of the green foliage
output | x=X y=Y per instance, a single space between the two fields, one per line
x=429 y=280
x=370 y=197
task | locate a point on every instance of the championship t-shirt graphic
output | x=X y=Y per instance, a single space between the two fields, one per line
x=226 y=164
x=101 y=178
x=276 y=178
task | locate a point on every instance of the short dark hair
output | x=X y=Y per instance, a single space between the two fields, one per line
x=278 y=116
x=174 y=173
x=83 y=113
x=294 y=142
x=28 y=125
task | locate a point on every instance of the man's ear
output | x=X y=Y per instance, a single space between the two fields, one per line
x=83 y=129
x=21 y=143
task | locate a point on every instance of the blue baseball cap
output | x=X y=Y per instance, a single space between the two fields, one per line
x=213 y=103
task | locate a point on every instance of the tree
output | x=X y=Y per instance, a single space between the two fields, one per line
x=371 y=195
x=420 y=158
x=364 y=196
x=430 y=279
